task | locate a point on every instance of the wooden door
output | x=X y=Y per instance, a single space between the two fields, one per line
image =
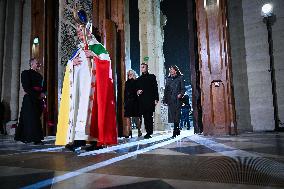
x=44 y=14
x=218 y=111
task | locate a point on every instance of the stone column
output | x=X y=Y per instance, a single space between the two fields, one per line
x=2 y=37
x=7 y=60
x=257 y=63
x=127 y=37
x=26 y=44
x=11 y=61
x=239 y=65
x=60 y=65
x=16 y=60
x=151 y=45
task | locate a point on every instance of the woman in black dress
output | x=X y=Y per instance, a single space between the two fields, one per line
x=29 y=128
x=131 y=109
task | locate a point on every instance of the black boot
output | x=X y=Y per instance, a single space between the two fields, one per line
x=147 y=136
x=176 y=131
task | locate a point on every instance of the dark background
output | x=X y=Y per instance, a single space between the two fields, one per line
x=176 y=47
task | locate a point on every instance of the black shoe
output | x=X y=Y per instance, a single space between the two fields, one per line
x=76 y=144
x=93 y=147
x=147 y=136
x=176 y=133
x=70 y=147
x=130 y=133
x=139 y=133
x=38 y=143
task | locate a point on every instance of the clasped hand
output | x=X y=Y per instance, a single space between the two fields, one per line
x=139 y=92
x=78 y=59
x=42 y=96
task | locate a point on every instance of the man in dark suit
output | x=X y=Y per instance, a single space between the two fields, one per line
x=148 y=97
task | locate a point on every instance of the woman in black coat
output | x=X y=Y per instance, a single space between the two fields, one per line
x=29 y=128
x=174 y=91
x=131 y=109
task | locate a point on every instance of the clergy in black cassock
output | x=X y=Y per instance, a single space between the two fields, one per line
x=30 y=128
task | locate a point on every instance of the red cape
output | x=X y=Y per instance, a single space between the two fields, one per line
x=103 y=120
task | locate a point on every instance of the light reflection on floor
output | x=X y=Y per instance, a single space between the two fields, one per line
x=191 y=161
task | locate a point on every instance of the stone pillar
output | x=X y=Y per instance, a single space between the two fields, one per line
x=11 y=62
x=2 y=37
x=257 y=61
x=16 y=60
x=61 y=60
x=239 y=65
x=127 y=37
x=7 y=59
x=151 y=45
x=26 y=44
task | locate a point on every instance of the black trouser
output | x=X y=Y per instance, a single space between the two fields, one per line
x=148 y=121
x=176 y=126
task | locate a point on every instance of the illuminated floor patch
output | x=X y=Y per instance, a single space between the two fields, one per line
x=253 y=160
x=78 y=172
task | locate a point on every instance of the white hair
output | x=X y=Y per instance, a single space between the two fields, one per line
x=133 y=72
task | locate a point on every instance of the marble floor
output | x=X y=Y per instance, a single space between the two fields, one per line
x=249 y=160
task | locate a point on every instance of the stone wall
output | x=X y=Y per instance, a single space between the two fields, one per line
x=258 y=62
x=11 y=27
x=127 y=37
x=239 y=66
x=7 y=58
x=14 y=55
x=250 y=56
x=2 y=37
x=278 y=44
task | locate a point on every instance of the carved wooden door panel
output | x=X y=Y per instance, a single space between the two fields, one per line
x=215 y=68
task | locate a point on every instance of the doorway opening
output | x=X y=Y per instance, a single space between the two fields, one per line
x=179 y=48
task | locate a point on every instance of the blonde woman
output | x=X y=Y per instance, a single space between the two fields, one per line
x=131 y=109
